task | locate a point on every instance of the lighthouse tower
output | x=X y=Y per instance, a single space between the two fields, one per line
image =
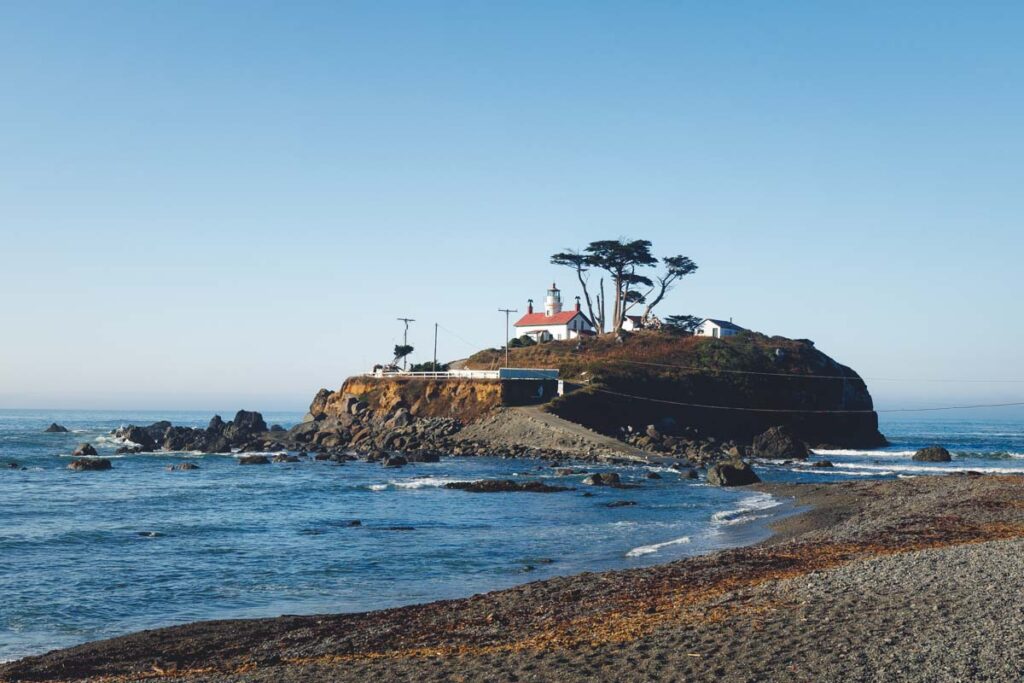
x=553 y=301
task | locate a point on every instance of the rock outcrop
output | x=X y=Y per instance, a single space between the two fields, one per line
x=732 y=473
x=55 y=428
x=247 y=431
x=89 y=465
x=779 y=443
x=933 y=454
x=85 y=449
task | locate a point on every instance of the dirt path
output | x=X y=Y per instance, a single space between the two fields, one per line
x=533 y=426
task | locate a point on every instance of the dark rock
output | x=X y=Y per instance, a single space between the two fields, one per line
x=689 y=473
x=318 y=408
x=653 y=475
x=822 y=463
x=55 y=428
x=254 y=460
x=568 y=471
x=932 y=454
x=89 y=465
x=732 y=473
x=779 y=443
x=84 y=449
x=395 y=461
x=603 y=479
x=376 y=455
x=504 y=485
x=128 y=450
x=423 y=456
x=216 y=425
x=183 y=467
x=276 y=428
x=620 y=504
x=248 y=422
x=284 y=457
x=322 y=456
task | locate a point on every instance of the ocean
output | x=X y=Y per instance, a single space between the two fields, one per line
x=87 y=555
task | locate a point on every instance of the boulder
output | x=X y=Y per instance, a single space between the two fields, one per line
x=732 y=473
x=318 y=408
x=822 y=463
x=216 y=425
x=128 y=450
x=248 y=422
x=401 y=418
x=285 y=457
x=395 y=461
x=603 y=479
x=55 y=428
x=503 y=486
x=89 y=465
x=933 y=454
x=84 y=449
x=779 y=443
x=254 y=460
x=653 y=475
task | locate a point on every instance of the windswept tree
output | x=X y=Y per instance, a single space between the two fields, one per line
x=401 y=351
x=580 y=263
x=624 y=261
x=676 y=268
x=683 y=324
x=621 y=259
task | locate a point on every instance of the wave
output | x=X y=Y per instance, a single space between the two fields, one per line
x=648 y=549
x=939 y=468
x=748 y=510
x=417 y=483
x=868 y=453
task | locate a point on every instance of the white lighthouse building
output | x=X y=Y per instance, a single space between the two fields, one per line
x=553 y=323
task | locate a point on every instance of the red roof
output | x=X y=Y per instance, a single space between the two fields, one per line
x=563 y=318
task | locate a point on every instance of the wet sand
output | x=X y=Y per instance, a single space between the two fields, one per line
x=907 y=580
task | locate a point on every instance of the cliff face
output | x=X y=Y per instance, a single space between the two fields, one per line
x=462 y=399
x=644 y=379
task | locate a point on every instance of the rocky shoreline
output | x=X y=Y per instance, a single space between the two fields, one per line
x=871 y=583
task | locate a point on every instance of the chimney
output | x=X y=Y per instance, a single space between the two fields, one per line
x=529 y=306
x=577 y=304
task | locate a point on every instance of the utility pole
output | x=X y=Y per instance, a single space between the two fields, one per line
x=507 y=311
x=435 y=348
x=405 y=339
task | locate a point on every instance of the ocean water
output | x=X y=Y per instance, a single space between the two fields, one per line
x=87 y=555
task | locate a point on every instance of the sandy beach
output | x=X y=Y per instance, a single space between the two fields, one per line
x=908 y=580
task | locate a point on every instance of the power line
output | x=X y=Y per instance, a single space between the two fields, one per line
x=790 y=375
x=803 y=410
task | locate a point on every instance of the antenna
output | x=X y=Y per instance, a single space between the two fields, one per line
x=507 y=311
x=405 y=338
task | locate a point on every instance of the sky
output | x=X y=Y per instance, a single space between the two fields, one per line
x=228 y=204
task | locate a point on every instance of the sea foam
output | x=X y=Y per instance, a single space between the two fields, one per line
x=655 y=547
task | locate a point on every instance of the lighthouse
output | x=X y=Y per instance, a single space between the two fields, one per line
x=553 y=301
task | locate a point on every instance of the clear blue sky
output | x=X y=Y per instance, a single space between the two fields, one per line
x=227 y=204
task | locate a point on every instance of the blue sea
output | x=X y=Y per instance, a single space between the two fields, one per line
x=87 y=555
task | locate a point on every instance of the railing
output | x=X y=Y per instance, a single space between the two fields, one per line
x=503 y=373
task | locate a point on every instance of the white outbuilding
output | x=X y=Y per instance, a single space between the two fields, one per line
x=553 y=323
x=709 y=327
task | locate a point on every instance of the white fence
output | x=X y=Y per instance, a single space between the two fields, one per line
x=503 y=373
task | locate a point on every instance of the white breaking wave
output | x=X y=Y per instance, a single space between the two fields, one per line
x=418 y=483
x=854 y=452
x=923 y=469
x=747 y=511
x=648 y=549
